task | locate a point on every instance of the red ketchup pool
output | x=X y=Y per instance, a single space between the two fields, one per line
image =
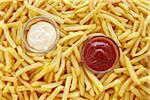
x=100 y=54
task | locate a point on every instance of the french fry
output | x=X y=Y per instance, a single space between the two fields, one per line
x=143 y=50
x=110 y=78
x=113 y=9
x=3 y=4
x=6 y=88
x=124 y=87
x=42 y=12
x=77 y=53
x=113 y=20
x=24 y=56
x=7 y=36
x=136 y=59
x=135 y=46
x=7 y=60
x=144 y=79
x=143 y=10
x=95 y=80
x=74 y=80
x=19 y=31
x=77 y=27
x=60 y=70
x=43 y=96
x=87 y=83
x=135 y=91
x=46 y=69
x=70 y=95
x=70 y=50
x=91 y=14
x=141 y=4
x=67 y=87
x=131 y=71
x=67 y=2
x=63 y=77
x=91 y=92
x=58 y=58
x=9 y=12
x=15 y=15
x=83 y=4
x=82 y=10
x=8 y=79
x=27 y=68
x=13 y=33
x=75 y=65
x=146 y=89
x=76 y=34
x=104 y=77
x=26 y=84
x=13 y=53
x=126 y=96
x=112 y=84
x=124 y=7
x=113 y=35
x=68 y=66
x=105 y=28
x=3 y=48
x=52 y=85
x=124 y=35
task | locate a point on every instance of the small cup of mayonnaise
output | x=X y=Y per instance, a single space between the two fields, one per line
x=40 y=34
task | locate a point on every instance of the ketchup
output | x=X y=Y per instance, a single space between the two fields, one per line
x=100 y=53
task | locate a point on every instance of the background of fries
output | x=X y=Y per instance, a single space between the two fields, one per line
x=59 y=74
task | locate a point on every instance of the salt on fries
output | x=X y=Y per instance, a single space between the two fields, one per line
x=59 y=74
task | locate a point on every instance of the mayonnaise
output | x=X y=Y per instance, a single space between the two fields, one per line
x=41 y=36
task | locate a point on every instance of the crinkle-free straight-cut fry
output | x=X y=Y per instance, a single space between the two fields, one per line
x=67 y=87
x=54 y=93
x=27 y=68
x=43 y=12
x=131 y=71
x=7 y=35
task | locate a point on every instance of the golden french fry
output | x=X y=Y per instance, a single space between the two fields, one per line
x=7 y=36
x=91 y=14
x=73 y=35
x=113 y=20
x=24 y=56
x=75 y=65
x=124 y=87
x=74 y=80
x=67 y=87
x=52 y=85
x=135 y=91
x=60 y=70
x=9 y=12
x=42 y=12
x=131 y=71
x=58 y=58
x=27 y=68
x=54 y=93
x=15 y=15
x=95 y=80
x=46 y=69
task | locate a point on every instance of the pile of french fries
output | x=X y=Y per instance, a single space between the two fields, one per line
x=59 y=74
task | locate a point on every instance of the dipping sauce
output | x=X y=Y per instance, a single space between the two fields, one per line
x=100 y=54
x=41 y=35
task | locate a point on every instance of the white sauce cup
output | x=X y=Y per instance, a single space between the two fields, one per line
x=27 y=26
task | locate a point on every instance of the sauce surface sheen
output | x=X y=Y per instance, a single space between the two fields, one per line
x=99 y=54
x=41 y=36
